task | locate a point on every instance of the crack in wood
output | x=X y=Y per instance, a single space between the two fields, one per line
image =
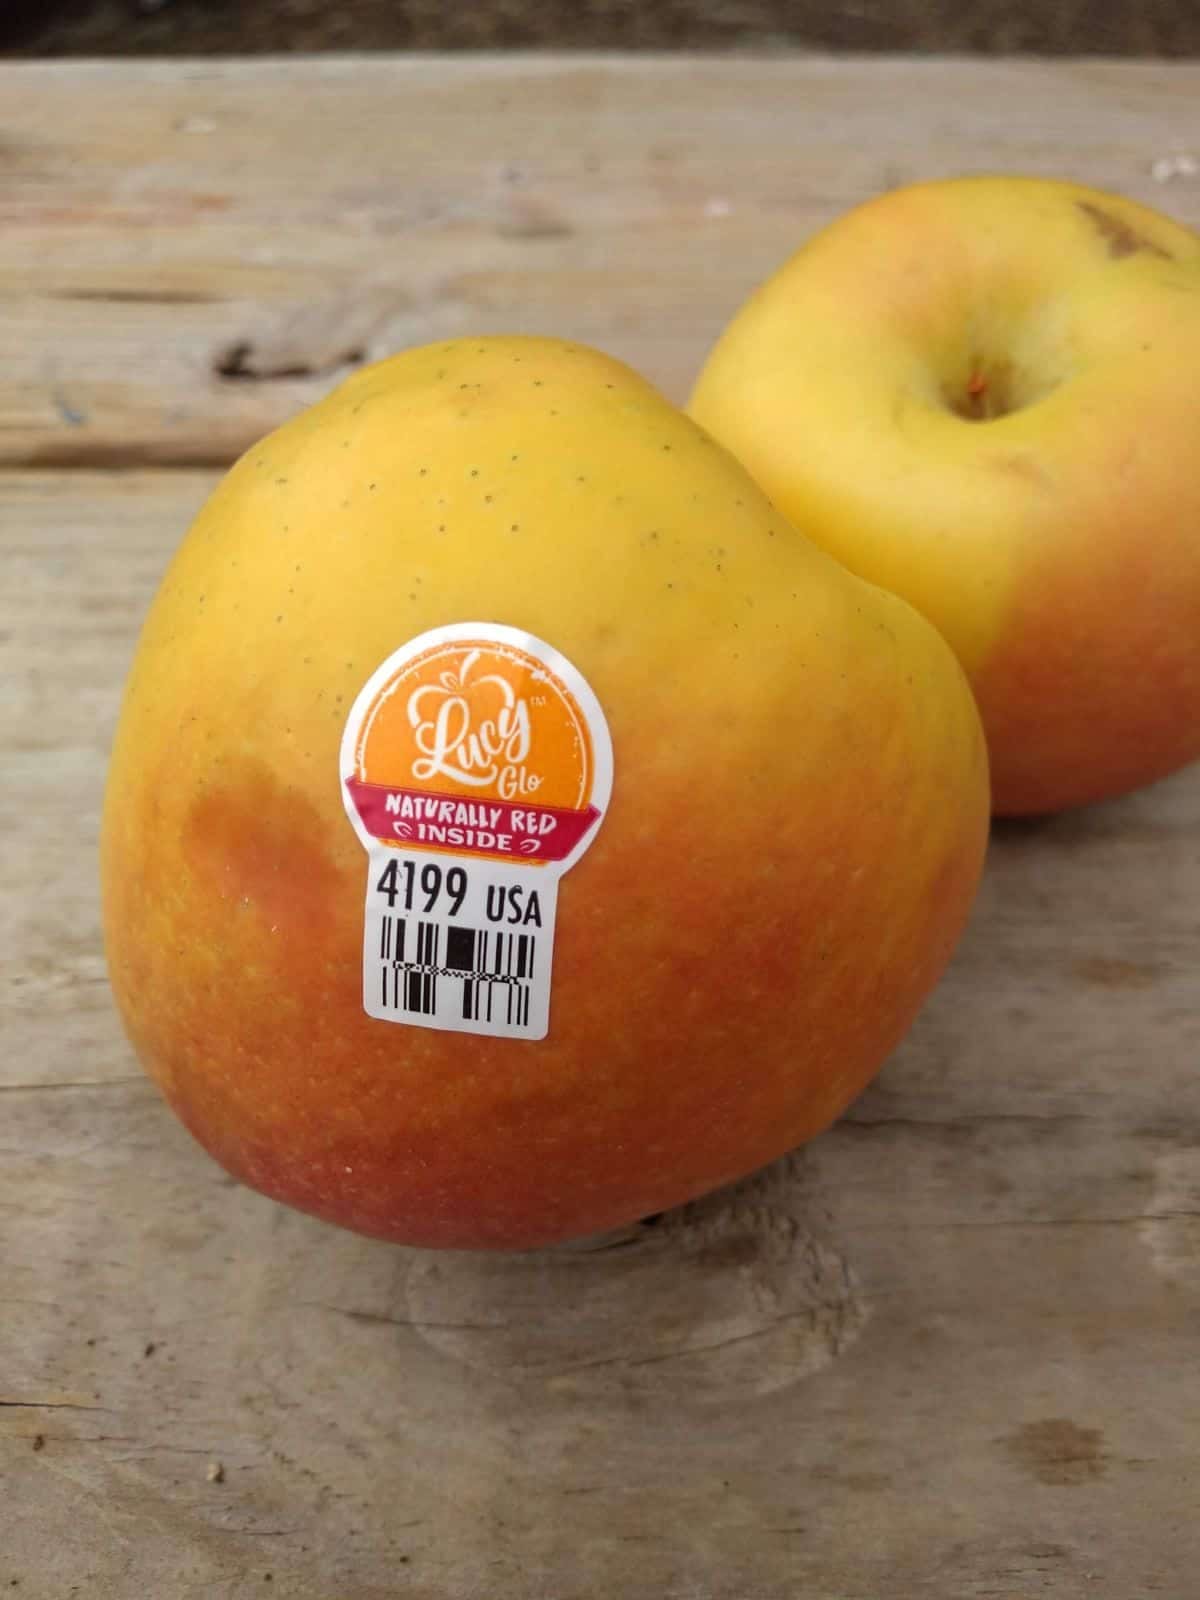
x=383 y=1318
x=79 y=1083
x=246 y=362
x=75 y=451
x=138 y=297
x=258 y=1533
x=51 y=1405
x=960 y=1224
x=684 y=1351
x=968 y=1120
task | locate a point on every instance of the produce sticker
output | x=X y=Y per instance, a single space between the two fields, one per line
x=476 y=767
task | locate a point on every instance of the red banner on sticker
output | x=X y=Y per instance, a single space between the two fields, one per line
x=507 y=829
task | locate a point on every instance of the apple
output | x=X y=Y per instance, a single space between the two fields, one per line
x=494 y=624
x=984 y=395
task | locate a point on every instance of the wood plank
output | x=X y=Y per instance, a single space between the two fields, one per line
x=82 y=557
x=179 y=241
x=948 y=1349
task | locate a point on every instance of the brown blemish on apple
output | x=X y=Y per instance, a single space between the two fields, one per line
x=1058 y=1452
x=1120 y=237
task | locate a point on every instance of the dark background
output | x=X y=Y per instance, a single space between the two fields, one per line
x=180 y=27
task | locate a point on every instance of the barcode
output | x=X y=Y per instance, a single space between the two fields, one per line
x=493 y=968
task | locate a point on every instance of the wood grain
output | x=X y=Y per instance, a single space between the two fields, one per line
x=950 y=1348
x=193 y=251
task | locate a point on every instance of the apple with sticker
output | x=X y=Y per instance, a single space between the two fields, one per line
x=501 y=590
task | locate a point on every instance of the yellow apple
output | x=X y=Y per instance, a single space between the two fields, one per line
x=984 y=394
x=796 y=825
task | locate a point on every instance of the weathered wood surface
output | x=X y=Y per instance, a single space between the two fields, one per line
x=163 y=223
x=949 y=1350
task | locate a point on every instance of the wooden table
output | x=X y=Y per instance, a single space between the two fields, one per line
x=950 y=1350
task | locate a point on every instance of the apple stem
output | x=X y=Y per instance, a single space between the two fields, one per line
x=977 y=395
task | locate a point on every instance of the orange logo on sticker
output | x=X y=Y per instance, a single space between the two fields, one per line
x=474 y=744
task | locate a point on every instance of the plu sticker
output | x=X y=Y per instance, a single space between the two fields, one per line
x=476 y=767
